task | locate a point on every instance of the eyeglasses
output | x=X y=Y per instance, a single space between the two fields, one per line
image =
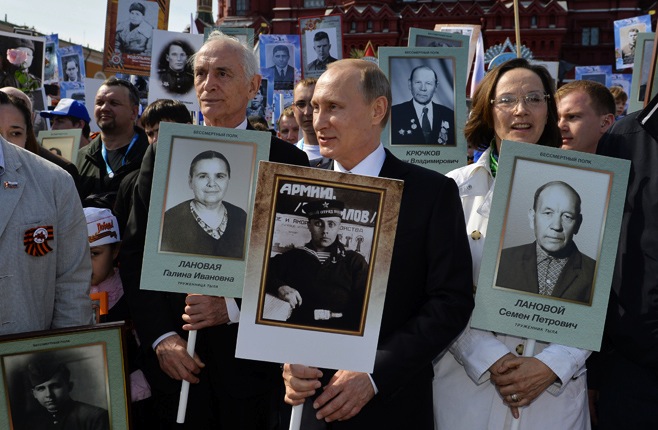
x=301 y=105
x=531 y=100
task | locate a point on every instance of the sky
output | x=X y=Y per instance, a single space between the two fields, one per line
x=81 y=21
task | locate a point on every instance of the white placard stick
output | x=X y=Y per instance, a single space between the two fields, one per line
x=528 y=351
x=185 y=387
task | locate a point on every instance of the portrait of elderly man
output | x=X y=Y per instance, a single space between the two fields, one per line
x=323 y=282
x=552 y=265
x=134 y=36
x=175 y=73
x=212 y=226
x=51 y=386
x=321 y=46
x=283 y=73
x=421 y=121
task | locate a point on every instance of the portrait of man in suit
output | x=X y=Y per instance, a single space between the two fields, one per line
x=422 y=121
x=552 y=265
x=283 y=73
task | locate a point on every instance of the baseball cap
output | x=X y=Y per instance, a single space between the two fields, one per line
x=68 y=107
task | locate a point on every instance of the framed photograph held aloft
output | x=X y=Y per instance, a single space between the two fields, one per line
x=320 y=251
x=129 y=34
x=429 y=105
x=626 y=32
x=89 y=362
x=280 y=60
x=201 y=209
x=422 y=38
x=64 y=143
x=549 y=258
x=322 y=43
x=600 y=74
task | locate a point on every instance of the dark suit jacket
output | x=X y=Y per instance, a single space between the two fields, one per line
x=156 y=313
x=429 y=299
x=518 y=271
x=406 y=128
x=283 y=83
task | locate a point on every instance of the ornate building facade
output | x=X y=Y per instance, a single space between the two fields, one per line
x=574 y=32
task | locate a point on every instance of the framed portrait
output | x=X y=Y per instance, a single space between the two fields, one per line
x=303 y=219
x=39 y=103
x=549 y=258
x=50 y=64
x=201 y=207
x=422 y=38
x=626 y=33
x=64 y=143
x=322 y=43
x=429 y=107
x=280 y=60
x=92 y=86
x=171 y=72
x=600 y=74
x=73 y=64
x=244 y=35
x=129 y=34
x=262 y=104
x=87 y=365
x=471 y=30
x=21 y=61
x=642 y=71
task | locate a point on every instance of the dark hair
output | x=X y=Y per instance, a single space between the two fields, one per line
x=31 y=143
x=165 y=109
x=278 y=48
x=601 y=98
x=554 y=183
x=411 y=76
x=133 y=94
x=479 y=128
x=209 y=155
x=320 y=35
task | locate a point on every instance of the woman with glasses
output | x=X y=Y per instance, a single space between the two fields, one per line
x=482 y=380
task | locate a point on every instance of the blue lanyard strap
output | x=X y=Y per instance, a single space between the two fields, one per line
x=110 y=172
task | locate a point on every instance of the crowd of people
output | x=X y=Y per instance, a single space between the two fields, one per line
x=71 y=228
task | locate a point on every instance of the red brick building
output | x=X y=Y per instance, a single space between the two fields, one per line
x=577 y=32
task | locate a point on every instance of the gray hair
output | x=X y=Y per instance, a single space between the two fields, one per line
x=248 y=59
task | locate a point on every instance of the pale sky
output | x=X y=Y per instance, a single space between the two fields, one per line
x=80 y=21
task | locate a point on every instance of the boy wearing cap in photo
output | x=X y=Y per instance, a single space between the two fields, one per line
x=51 y=386
x=135 y=35
x=104 y=243
x=322 y=281
x=70 y=114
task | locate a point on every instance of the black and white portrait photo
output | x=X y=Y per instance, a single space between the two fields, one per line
x=281 y=66
x=174 y=69
x=320 y=254
x=64 y=388
x=553 y=229
x=423 y=111
x=136 y=20
x=207 y=198
x=437 y=42
x=71 y=67
x=321 y=49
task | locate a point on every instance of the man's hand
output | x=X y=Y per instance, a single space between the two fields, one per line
x=204 y=311
x=344 y=397
x=175 y=361
x=290 y=295
x=300 y=381
x=524 y=377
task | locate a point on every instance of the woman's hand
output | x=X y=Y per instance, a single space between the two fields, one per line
x=520 y=380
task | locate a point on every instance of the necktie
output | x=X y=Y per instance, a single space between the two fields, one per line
x=425 y=122
x=281 y=73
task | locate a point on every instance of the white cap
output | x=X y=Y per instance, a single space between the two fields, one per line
x=102 y=226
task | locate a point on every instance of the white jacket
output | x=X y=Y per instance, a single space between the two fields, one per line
x=464 y=397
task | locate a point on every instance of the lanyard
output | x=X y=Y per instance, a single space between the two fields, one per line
x=110 y=172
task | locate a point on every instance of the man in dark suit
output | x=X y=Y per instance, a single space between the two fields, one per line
x=226 y=392
x=283 y=73
x=552 y=265
x=429 y=296
x=420 y=121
